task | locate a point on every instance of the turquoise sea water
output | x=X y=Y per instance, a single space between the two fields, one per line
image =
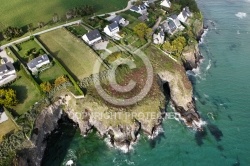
x=222 y=92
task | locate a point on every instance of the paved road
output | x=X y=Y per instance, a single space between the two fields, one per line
x=39 y=33
x=157 y=24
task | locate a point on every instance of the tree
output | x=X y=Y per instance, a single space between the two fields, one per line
x=60 y=80
x=30 y=27
x=12 y=32
x=55 y=17
x=167 y=46
x=40 y=24
x=8 y=97
x=142 y=30
x=176 y=46
x=46 y=86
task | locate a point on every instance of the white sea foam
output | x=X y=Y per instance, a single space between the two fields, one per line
x=241 y=15
x=203 y=36
x=209 y=65
x=238 y=32
x=158 y=130
x=206 y=96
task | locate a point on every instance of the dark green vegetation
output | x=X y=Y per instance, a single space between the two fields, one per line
x=20 y=13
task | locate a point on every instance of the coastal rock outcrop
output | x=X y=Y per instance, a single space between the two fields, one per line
x=45 y=123
x=191 y=57
x=181 y=94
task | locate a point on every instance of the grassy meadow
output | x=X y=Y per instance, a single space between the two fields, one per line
x=23 y=12
x=72 y=53
x=27 y=93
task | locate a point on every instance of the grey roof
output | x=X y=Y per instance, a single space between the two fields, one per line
x=117 y=19
x=40 y=59
x=162 y=33
x=171 y=25
x=92 y=35
x=174 y=16
x=187 y=10
x=143 y=17
x=165 y=26
x=184 y=13
x=143 y=7
x=136 y=8
x=112 y=26
x=5 y=68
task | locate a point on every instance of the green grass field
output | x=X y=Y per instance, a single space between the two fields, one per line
x=50 y=74
x=25 y=46
x=73 y=54
x=23 y=12
x=27 y=93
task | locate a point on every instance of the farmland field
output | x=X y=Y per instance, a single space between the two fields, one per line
x=23 y=12
x=73 y=54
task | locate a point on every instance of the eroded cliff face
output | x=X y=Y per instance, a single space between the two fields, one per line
x=181 y=94
x=45 y=123
x=119 y=127
x=191 y=57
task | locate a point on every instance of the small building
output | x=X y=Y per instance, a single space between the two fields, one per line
x=184 y=14
x=172 y=27
x=168 y=26
x=111 y=29
x=119 y=20
x=176 y=21
x=159 y=38
x=7 y=73
x=166 y=3
x=38 y=62
x=92 y=37
x=141 y=9
x=3 y=116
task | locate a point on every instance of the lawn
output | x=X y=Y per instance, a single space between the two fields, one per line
x=23 y=12
x=132 y=17
x=7 y=126
x=72 y=53
x=26 y=46
x=77 y=30
x=50 y=74
x=27 y=93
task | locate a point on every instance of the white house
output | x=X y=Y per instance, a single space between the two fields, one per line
x=38 y=62
x=159 y=38
x=111 y=29
x=92 y=37
x=184 y=14
x=7 y=73
x=166 y=3
x=141 y=9
x=175 y=20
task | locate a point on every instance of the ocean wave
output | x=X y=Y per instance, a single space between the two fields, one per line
x=158 y=130
x=70 y=158
x=209 y=65
x=206 y=96
x=241 y=15
x=203 y=36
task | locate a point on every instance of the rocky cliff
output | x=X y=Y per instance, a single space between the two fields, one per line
x=191 y=56
x=45 y=123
